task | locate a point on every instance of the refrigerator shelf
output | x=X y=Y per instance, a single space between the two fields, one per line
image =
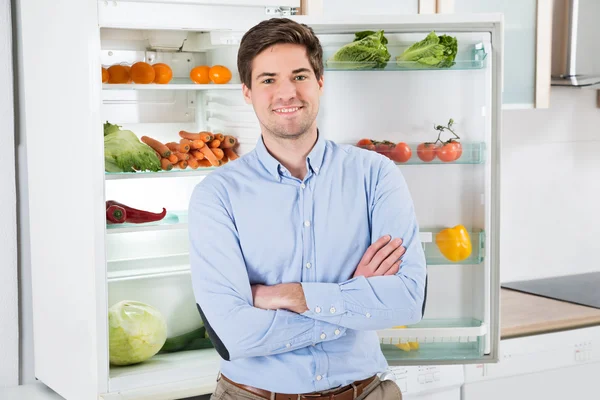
x=195 y=370
x=175 y=84
x=201 y=171
x=439 y=339
x=473 y=153
x=150 y=267
x=173 y=220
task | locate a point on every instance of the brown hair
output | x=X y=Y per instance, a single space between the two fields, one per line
x=274 y=31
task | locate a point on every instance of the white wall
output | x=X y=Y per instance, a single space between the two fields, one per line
x=551 y=188
x=9 y=312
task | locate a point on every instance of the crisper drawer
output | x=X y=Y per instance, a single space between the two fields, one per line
x=434 y=339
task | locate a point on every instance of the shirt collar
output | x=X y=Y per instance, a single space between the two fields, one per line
x=314 y=159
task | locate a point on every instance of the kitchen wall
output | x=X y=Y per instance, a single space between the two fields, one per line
x=9 y=311
x=550 y=187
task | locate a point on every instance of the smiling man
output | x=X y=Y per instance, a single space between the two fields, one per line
x=301 y=249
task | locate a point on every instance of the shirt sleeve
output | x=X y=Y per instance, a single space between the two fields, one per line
x=384 y=301
x=223 y=292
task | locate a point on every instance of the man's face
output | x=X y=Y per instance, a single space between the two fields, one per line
x=285 y=91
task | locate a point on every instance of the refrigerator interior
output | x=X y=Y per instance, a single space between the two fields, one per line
x=149 y=262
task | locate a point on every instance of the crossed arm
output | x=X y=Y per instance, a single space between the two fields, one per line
x=247 y=321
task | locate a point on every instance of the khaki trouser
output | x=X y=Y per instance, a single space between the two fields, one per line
x=377 y=390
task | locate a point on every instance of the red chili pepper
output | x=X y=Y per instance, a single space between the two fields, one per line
x=116 y=214
x=136 y=216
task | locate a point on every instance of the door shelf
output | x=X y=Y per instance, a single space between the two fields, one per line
x=435 y=257
x=472 y=153
x=173 y=220
x=434 y=339
x=201 y=366
x=175 y=84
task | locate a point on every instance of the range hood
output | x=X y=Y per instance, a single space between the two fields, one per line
x=575 y=46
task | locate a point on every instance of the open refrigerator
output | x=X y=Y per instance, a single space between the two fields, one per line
x=81 y=266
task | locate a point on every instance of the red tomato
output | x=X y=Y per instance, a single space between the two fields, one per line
x=426 y=151
x=459 y=150
x=366 y=144
x=400 y=153
x=447 y=152
x=384 y=148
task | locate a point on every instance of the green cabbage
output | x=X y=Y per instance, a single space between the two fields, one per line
x=137 y=331
x=123 y=151
x=368 y=50
x=433 y=51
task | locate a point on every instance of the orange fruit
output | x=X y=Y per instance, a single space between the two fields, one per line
x=199 y=74
x=219 y=74
x=105 y=75
x=118 y=74
x=163 y=73
x=142 y=72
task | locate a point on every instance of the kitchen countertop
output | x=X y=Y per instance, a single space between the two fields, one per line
x=523 y=314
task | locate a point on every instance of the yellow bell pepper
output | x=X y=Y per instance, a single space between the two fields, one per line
x=406 y=346
x=454 y=243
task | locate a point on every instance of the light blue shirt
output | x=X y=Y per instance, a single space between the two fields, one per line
x=251 y=222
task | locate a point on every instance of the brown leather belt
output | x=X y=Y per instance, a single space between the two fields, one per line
x=348 y=392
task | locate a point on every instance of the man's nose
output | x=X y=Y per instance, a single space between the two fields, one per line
x=286 y=90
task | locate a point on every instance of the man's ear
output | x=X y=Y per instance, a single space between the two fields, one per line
x=247 y=93
x=320 y=83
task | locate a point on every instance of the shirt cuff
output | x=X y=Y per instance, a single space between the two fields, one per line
x=323 y=299
x=325 y=332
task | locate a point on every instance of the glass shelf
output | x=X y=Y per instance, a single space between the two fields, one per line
x=434 y=339
x=472 y=154
x=435 y=257
x=200 y=171
x=474 y=58
x=175 y=84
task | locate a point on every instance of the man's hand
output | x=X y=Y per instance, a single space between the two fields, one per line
x=381 y=258
x=287 y=296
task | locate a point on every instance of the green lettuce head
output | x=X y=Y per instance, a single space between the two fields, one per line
x=368 y=50
x=137 y=332
x=434 y=51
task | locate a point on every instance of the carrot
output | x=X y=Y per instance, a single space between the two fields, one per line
x=214 y=143
x=210 y=156
x=231 y=154
x=218 y=153
x=228 y=142
x=173 y=158
x=182 y=164
x=219 y=137
x=182 y=156
x=193 y=163
x=157 y=146
x=225 y=158
x=204 y=136
x=185 y=145
x=197 y=144
x=204 y=163
x=165 y=164
x=197 y=154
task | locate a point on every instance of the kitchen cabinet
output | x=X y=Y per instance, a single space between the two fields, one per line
x=81 y=266
x=527 y=45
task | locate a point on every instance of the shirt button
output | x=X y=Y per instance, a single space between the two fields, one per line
x=368 y=315
x=307 y=223
x=337 y=332
x=308 y=265
x=303 y=186
x=319 y=377
x=332 y=310
x=288 y=345
x=323 y=336
x=317 y=309
x=316 y=169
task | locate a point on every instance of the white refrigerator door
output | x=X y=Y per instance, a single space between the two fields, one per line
x=69 y=238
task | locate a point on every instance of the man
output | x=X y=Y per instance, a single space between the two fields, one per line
x=289 y=281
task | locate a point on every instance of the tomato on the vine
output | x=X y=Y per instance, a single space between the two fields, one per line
x=426 y=151
x=384 y=148
x=449 y=151
x=400 y=153
x=366 y=144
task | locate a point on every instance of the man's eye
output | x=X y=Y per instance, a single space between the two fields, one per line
x=300 y=77
x=268 y=80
